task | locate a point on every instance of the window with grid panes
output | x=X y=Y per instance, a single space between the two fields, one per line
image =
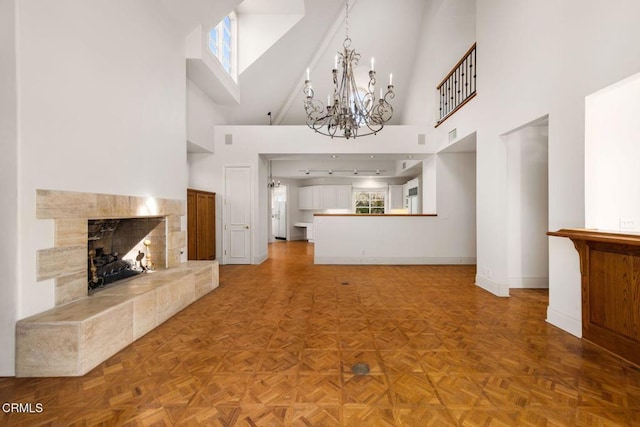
x=221 y=42
x=369 y=202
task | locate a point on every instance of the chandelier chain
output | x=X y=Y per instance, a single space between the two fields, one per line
x=346 y=19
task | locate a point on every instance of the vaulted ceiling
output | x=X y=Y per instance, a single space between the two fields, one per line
x=273 y=83
x=310 y=34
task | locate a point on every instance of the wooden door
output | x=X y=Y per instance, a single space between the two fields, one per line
x=192 y=229
x=201 y=225
x=206 y=207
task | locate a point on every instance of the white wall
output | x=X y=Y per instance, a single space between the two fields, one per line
x=430 y=185
x=260 y=252
x=8 y=187
x=202 y=116
x=534 y=58
x=456 y=195
x=612 y=175
x=101 y=91
x=528 y=205
x=397 y=240
x=259 y=31
x=448 y=31
x=248 y=142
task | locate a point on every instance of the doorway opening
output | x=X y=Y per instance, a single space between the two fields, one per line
x=528 y=205
x=279 y=213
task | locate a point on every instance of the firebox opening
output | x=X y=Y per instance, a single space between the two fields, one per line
x=124 y=247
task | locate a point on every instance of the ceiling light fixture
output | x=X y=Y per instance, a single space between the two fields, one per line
x=271 y=183
x=340 y=171
x=351 y=108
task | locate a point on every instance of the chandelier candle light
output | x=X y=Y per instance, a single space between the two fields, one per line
x=351 y=111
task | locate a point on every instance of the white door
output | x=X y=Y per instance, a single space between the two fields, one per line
x=279 y=212
x=237 y=221
x=281 y=230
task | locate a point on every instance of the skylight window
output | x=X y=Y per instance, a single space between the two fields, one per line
x=223 y=42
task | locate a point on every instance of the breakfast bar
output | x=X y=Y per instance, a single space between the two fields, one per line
x=389 y=239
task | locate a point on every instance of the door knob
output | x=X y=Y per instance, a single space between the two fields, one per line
x=246 y=226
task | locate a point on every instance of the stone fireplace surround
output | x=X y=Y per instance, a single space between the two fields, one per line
x=82 y=330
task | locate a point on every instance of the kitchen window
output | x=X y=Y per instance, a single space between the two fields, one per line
x=369 y=202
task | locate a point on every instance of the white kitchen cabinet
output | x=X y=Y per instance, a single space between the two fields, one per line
x=305 y=198
x=316 y=191
x=318 y=197
x=329 y=199
x=343 y=197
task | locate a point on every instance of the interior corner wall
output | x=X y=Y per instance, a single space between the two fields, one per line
x=247 y=143
x=101 y=90
x=528 y=206
x=294 y=214
x=456 y=194
x=560 y=66
x=8 y=187
x=429 y=185
x=523 y=74
x=448 y=31
x=260 y=252
x=202 y=115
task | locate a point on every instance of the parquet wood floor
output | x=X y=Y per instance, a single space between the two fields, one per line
x=274 y=346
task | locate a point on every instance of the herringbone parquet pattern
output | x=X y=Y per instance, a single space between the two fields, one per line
x=274 y=346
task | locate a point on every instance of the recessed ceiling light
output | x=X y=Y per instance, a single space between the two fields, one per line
x=372 y=156
x=410 y=156
x=333 y=156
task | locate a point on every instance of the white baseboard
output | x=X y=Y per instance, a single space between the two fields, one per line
x=529 y=282
x=259 y=259
x=564 y=322
x=396 y=260
x=498 y=289
x=337 y=260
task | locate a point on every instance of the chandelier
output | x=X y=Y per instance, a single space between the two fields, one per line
x=351 y=110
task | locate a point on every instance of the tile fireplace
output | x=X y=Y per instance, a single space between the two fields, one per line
x=85 y=328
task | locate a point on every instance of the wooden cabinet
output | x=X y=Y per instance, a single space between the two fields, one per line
x=610 y=266
x=201 y=225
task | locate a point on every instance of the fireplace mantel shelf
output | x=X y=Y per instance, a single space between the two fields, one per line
x=71 y=339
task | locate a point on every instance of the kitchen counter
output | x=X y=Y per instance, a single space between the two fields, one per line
x=391 y=239
x=378 y=215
